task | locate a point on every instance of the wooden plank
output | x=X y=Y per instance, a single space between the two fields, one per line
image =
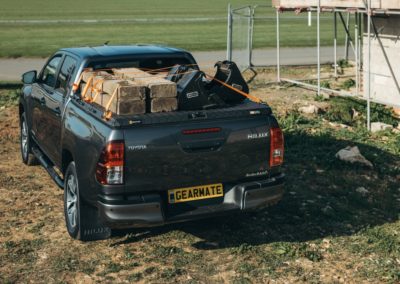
x=86 y=75
x=376 y=4
x=163 y=104
x=121 y=107
x=158 y=86
x=129 y=73
x=131 y=107
x=127 y=89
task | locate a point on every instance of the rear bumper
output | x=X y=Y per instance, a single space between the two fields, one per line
x=149 y=210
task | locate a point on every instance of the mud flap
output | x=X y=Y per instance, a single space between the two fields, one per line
x=91 y=226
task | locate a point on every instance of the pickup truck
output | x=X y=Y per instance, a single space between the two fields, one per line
x=149 y=169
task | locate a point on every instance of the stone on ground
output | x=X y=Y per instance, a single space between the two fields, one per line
x=353 y=155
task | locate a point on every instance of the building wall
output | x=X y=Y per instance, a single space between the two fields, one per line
x=383 y=87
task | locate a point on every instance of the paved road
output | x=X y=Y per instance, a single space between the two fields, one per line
x=11 y=69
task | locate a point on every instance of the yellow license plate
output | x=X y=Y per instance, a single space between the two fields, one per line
x=195 y=193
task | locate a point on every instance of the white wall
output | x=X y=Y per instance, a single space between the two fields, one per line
x=383 y=87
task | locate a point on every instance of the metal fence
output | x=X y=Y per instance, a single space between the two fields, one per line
x=248 y=26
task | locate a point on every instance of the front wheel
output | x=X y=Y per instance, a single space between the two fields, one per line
x=82 y=220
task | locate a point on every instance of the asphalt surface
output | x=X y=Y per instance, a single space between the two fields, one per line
x=11 y=69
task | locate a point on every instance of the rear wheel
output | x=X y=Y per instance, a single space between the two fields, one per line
x=26 y=143
x=71 y=201
x=81 y=219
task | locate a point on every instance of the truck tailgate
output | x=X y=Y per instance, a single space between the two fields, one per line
x=210 y=150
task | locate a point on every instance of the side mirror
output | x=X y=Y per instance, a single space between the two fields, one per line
x=29 y=77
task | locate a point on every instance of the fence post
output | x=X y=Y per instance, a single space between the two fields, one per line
x=335 y=44
x=229 y=34
x=347 y=41
x=250 y=37
x=369 y=68
x=319 y=46
x=278 y=51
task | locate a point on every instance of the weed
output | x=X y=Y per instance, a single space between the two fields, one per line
x=292 y=121
x=36 y=228
x=325 y=84
x=388 y=243
x=170 y=273
x=162 y=252
x=242 y=249
x=150 y=270
x=24 y=250
x=242 y=280
x=320 y=98
x=349 y=83
x=135 y=277
x=8 y=97
x=343 y=63
x=343 y=110
x=312 y=254
x=66 y=262
x=245 y=267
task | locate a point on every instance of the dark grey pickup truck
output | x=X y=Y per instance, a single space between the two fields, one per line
x=149 y=169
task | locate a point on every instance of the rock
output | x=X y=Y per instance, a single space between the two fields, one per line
x=362 y=190
x=396 y=111
x=396 y=130
x=380 y=126
x=353 y=155
x=311 y=109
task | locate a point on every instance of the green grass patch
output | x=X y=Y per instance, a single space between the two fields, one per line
x=346 y=85
x=158 y=26
x=353 y=112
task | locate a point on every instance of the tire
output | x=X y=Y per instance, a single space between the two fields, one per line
x=25 y=142
x=72 y=201
x=81 y=219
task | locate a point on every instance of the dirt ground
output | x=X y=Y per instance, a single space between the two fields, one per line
x=323 y=231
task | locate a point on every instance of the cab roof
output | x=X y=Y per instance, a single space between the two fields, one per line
x=123 y=50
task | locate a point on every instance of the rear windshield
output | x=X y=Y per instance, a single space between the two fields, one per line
x=152 y=63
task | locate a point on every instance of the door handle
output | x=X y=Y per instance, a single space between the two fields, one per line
x=202 y=147
x=57 y=111
x=42 y=101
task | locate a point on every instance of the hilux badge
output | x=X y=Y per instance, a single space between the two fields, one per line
x=257 y=135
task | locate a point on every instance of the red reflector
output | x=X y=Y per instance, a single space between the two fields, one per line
x=277 y=147
x=201 y=130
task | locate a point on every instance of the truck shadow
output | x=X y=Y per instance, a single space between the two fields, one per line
x=324 y=197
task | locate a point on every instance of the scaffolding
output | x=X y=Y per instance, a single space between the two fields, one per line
x=355 y=44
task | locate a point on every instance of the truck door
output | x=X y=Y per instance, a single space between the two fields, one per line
x=54 y=106
x=42 y=98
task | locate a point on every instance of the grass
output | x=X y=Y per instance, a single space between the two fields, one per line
x=9 y=94
x=42 y=39
x=352 y=112
x=323 y=228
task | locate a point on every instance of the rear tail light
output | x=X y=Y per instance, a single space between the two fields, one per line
x=277 y=147
x=110 y=167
